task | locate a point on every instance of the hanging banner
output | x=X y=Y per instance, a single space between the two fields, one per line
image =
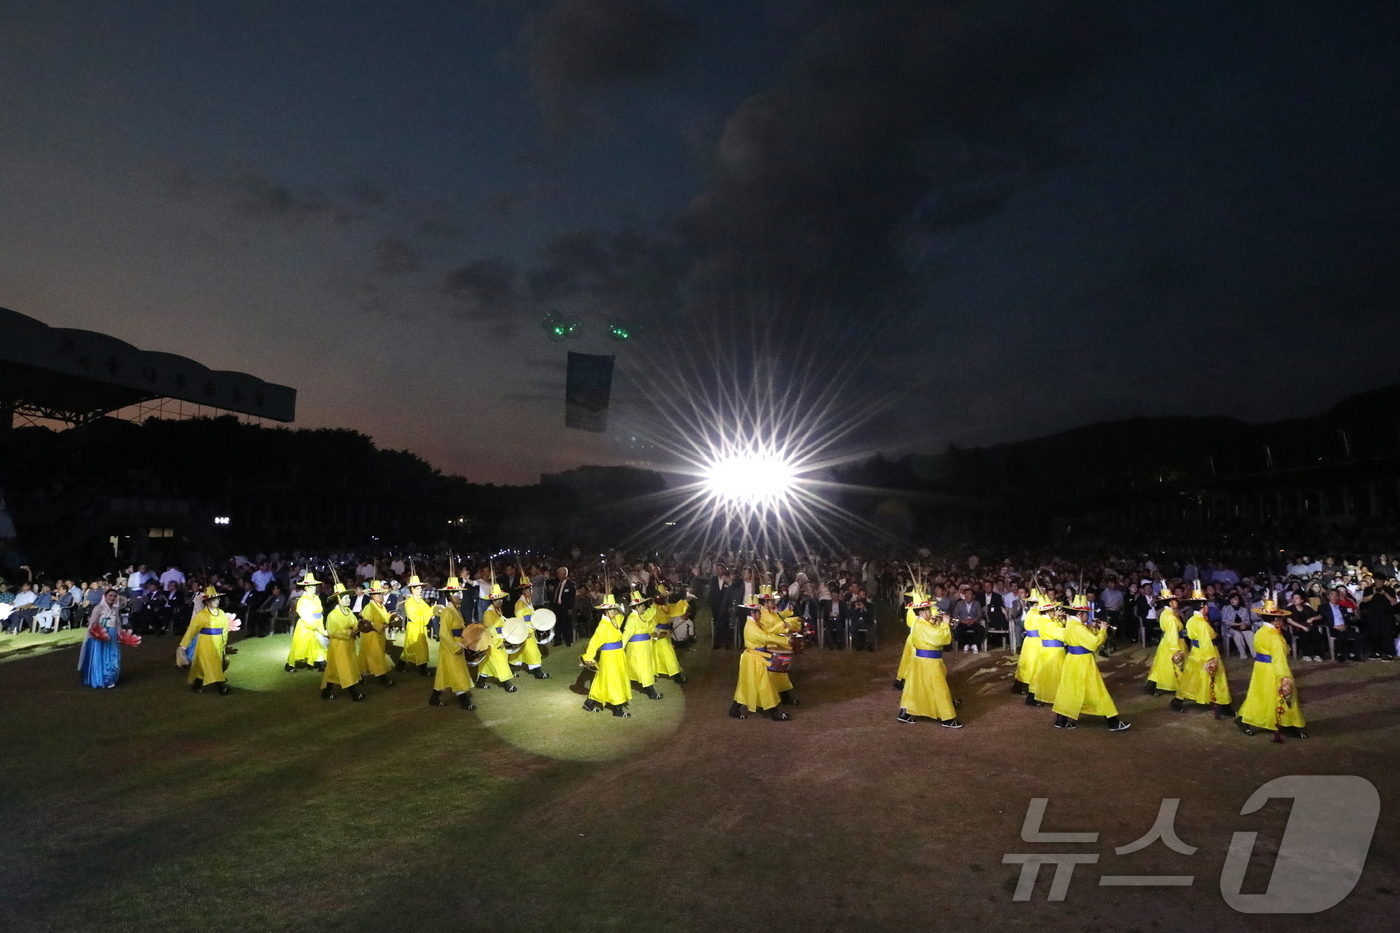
x=589 y=390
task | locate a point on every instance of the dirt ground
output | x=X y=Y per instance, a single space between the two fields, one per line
x=150 y=808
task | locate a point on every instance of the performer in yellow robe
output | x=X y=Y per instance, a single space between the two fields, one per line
x=637 y=635
x=926 y=683
x=529 y=653
x=1203 y=679
x=682 y=625
x=374 y=644
x=1272 y=700
x=663 y=649
x=1030 y=644
x=611 y=687
x=778 y=624
x=452 y=671
x=309 y=640
x=1050 y=657
x=205 y=644
x=342 y=670
x=417 y=614
x=755 y=691
x=1081 y=691
x=1166 y=663
x=497 y=662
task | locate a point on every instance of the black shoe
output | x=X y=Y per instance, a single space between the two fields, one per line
x=957 y=703
x=1386 y=658
x=509 y=687
x=951 y=724
x=464 y=700
x=904 y=717
x=679 y=679
x=481 y=684
x=1178 y=705
x=1293 y=732
x=540 y=673
x=320 y=666
x=289 y=668
x=327 y=692
x=591 y=705
x=737 y=711
x=1225 y=711
x=787 y=699
x=1150 y=689
x=423 y=670
x=196 y=685
x=400 y=665
x=1117 y=725
x=386 y=680
x=652 y=693
x=1032 y=701
x=356 y=694
x=779 y=716
x=621 y=712
x=1064 y=722
x=1017 y=687
x=1245 y=727
x=224 y=689
x=435 y=698
x=898 y=685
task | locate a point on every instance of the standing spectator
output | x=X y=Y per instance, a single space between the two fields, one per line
x=559 y=596
x=1378 y=619
x=263 y=577
x=172 y=574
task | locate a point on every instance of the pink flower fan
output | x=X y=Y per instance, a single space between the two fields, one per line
x=128 y=638
x=98 y=632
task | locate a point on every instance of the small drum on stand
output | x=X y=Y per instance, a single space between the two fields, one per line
x=514 y=632
x=798 y=640
x=476 y=641
x=779 y=662
x=543 y=621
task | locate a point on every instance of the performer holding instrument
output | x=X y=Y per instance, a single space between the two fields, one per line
x=1272 y=701
x=1167 y=662
x=766 y=655
x=612 y=687
x=1081 y=690
x=528 y=652
x=417 y=614
x=452 y=671
x=309 y=639
x=637 y=635
x=1030 y=643
x=342 y=671
x=926 y=678
x=1203 y=680
x=785 y=626
x=496 y=663
x=374 y=643
x=663 y=648
x=1050 y=657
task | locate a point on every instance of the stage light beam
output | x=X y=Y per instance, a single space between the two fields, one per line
x=750 y=479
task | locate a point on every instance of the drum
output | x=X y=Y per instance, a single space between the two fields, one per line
x=780 y=662
x=798 y=640
x=476 y=641
x=514 y=632
x=543 y=621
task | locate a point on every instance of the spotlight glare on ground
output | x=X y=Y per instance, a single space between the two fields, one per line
x=750 y=478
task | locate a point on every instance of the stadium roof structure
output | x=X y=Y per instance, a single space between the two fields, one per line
x=78 y=376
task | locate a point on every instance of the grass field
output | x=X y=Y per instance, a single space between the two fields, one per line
x=148 y=807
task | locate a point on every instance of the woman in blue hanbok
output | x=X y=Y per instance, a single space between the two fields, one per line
x=100 y=661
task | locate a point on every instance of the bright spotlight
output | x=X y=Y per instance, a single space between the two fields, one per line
x=750 y=479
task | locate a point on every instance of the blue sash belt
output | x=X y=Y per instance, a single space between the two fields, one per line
x=1194 y=643
x=639 y=638
x=1032 y=634
x=927 y=653
x=663 y=626
x=457 y=632
x=610 y=646
x=211 y=631
x=1263 y=659
x=1075 y=649
x=1051 y=643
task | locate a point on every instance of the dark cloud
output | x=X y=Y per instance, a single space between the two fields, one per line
x=620 y=275
x=484 y=291
x=581 y=44
x=393 y=256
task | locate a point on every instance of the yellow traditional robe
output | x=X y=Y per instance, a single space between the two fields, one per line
x=663 y=649
x=1195 y=684
x=374 y=646
x=1050 y=660
x=1164 y=673
x=529 y=653
x=1261 y=703
x=926 y=682
x=756 y=688
x=611 y=685
x=452 y=672
x=1030 y=647
x=308 y=638
x=780 y=626
x=208 y=632
x=496 y=663
x=1081 y=691
x=636 y=634
x=341 y=668
x=417 y=614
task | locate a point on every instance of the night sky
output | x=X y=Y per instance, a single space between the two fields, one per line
x=1033 y=214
